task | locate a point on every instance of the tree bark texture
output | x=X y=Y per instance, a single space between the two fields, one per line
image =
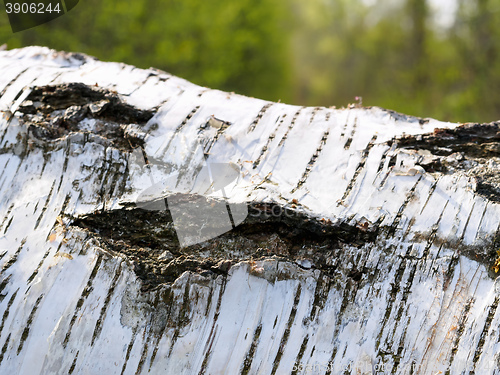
x=364 y=241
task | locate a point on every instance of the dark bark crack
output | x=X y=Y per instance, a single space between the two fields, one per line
x=471 y=148
x=473 y=140
x=53 y=112
x=147 y=238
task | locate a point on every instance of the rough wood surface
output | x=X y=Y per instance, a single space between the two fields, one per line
x=370 y=244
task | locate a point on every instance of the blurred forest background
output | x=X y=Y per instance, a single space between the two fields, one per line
x=399 y=54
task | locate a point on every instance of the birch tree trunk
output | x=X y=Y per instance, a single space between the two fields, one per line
x=149 y=225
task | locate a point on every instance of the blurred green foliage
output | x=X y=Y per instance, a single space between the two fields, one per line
x=393 y=53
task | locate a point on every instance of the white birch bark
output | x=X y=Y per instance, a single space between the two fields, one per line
x=377 y=257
